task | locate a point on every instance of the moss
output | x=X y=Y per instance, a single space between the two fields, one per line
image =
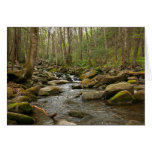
x=122 y=97
x=10 y=93
x=23 y=107
x=20 y=118
x=33 y=90
x=132 y=81
x=87 y=83
x=29 y=98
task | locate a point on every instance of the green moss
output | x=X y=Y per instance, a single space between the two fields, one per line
x=20 y=118
x=23 y=107
x=29 y=98
x=132 y=81
x=10 y=93
x=122 y=97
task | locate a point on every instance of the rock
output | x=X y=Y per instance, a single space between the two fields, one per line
x=28 y=98
x=33 y=90
x=77 y=114
x=132 y=81
x=10 y=93
x=49 y=90
x=64 y=122
x=132 y=78
x=20 y=118
x=78 y=86
x=131 y=73
x=140 y=96
x=139 y=87
x=89 y=74
x=92 y=95
x=87 y=83
x=55 y=82
x=114 y=88
x=107 y=79
x=121 y=98
x=134 y=122
x=23 y=107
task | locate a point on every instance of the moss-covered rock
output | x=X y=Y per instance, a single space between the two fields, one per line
x=132 y=81
x=33 y=90
x=10 y=93
x=23 y=107
x=29 y=98
x=49 y=90
x=112 y=89
x=92 y=95
x=140 y=96
x=20 y=118
x=89 y=74
x=121 y=98
x=88 y=83
x=77 y=114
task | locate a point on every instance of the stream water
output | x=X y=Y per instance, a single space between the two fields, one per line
x=98 y=112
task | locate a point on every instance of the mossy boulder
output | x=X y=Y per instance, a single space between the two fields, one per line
x=92 y=95
x=112 y=89
x=20 y=118
x=88 y=83
x=140 y=96
x=77 y=114
x=89 y=74
x=33 y=90
x=23 y=107
x=49 y=90
x=121 y=98
x=29 y=98
x=10 y=93
x=132 y=81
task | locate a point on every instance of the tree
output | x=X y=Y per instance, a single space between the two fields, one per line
x=28 y=70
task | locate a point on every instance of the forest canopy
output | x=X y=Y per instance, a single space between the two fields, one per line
x=80 y=46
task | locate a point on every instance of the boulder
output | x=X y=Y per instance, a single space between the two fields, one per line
x=92 y=95
x=140 y=96
x=33 y=90
x=28 y=98
x=77 y=114
x=132 y=81
x=114 y=88
x=20 y=118
x=64 y=122
x=49 y=90
x=121 y=98
x=55 y=82
x=89 y=74
x=87 y=83
x=23 y=107
x=10 y=93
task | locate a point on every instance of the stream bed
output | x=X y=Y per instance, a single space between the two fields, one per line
x=98 y=113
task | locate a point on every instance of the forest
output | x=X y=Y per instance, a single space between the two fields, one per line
x=75 y=75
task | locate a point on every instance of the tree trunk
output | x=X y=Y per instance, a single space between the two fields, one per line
x=28 y=70
x=137 y=43
x=69 y=59
x=56 y=51
x=8 y=44
x=80 y=40
x=48 y=43
x=105 y=42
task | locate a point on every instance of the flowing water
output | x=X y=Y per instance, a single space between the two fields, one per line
x=98 y=113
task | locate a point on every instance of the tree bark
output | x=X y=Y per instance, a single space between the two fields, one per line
x=28 y=70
